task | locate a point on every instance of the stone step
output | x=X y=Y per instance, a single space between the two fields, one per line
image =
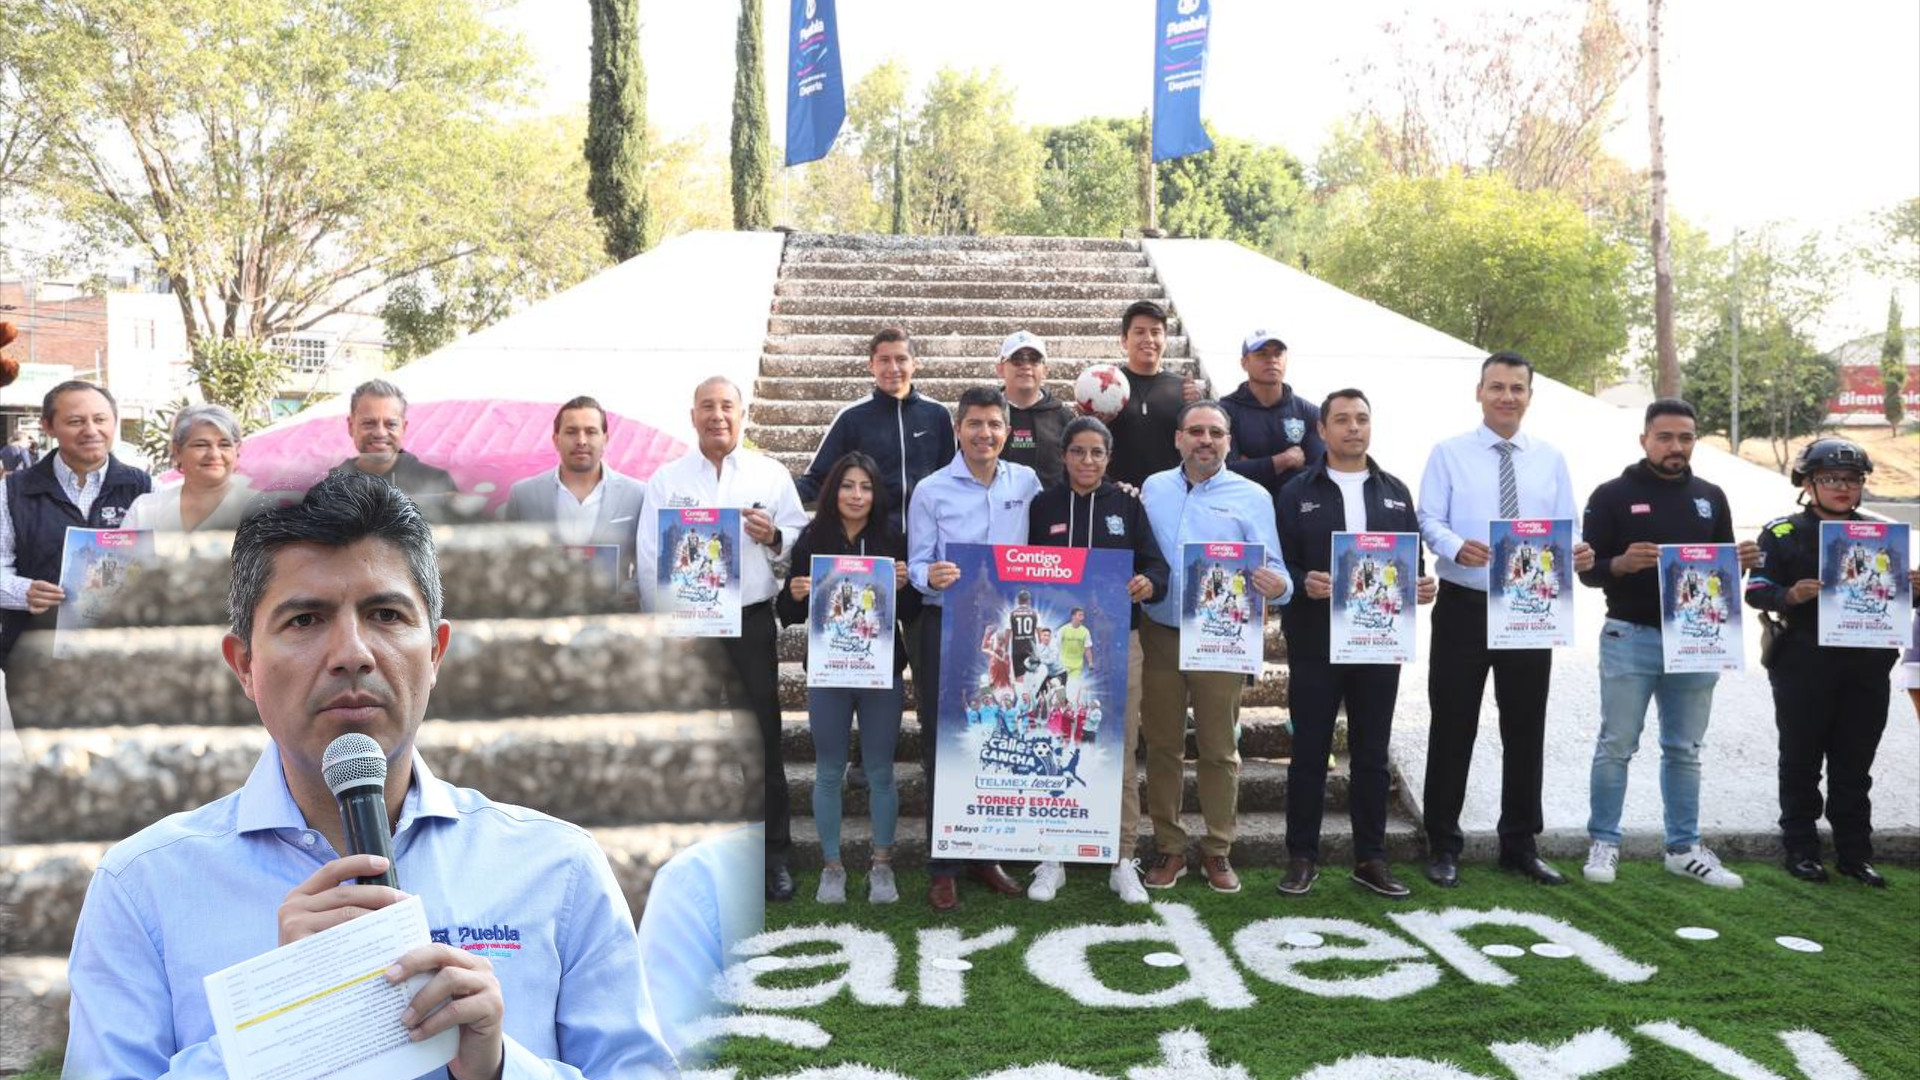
x=43 y=885
x=1118 y=293
x=1104 y=344
x=1264 y=733
x=918 y=271
x=841 y=391
x=1269 y=690
x=1263 y=788
x=798 y=242
x=883 y=310
x=798 y=257
x=105 y=783
x=1259 y=851
x=793 y=642
x=33 y=1010
x=494 y=668
x=1105 y=324
x=855 y=366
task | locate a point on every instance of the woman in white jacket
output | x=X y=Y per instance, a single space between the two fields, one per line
x=210 y=495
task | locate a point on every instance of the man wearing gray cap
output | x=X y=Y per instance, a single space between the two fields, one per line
x=1037 y=421
x=1276 y=433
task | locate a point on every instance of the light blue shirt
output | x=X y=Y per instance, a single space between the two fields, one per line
x=1225 y=508
x=704 y=901
x=200 y=891
x=951 y=507
x=1460 y=494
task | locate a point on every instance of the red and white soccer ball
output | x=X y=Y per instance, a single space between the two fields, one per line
x=1101 y=390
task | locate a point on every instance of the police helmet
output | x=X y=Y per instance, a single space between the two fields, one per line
x=1830 y=455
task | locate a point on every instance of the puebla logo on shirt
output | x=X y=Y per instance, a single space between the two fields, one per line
x=1116 y=525
x=111 y=516
x=1703 y=508
x=1295 y=428
x=495 y=941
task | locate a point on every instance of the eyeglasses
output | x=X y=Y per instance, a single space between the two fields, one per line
x=1088 y=453
x=1836 y=480
x=1206 y=433
x=1026 y=359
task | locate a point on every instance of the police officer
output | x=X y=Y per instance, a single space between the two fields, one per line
x=1829 y=703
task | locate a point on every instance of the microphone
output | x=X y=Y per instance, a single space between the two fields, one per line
x=355 y=771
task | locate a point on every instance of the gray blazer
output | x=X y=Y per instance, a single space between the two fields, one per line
x=619 y=521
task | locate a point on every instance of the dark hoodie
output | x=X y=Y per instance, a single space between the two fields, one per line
x=1036 y=437
x=1261 y=431
x=1106 y=518
x=1641 y=505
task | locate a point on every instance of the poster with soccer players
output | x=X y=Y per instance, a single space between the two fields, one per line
x=1222 y=616
x=1033 y=701
x=1700 y=608
x=850 y=623
x=1374 y=579
x=699 y=571
x=96 y=565
x=1530 y=583
x=1865 y=601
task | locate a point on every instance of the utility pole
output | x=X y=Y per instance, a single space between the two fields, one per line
x=1734 y=395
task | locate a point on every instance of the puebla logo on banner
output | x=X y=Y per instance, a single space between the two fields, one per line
x=1033 y=700
x=816 y=95
x=1179 y=75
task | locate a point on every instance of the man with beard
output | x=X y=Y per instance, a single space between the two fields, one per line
x=585 y=500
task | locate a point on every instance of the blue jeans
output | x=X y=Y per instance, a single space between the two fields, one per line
x=830 y=714
x=1630 y=676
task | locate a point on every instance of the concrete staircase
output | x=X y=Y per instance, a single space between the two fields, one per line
x=959 y=297
x=546 y=699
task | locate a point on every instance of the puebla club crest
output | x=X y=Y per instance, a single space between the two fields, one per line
x=1295 y=428
x=1703 y=508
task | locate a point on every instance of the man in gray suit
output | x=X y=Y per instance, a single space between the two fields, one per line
x=585 y=501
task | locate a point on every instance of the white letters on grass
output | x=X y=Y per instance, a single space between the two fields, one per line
x=941 y=989
x=867 y=957
x=1059 y=959
x=1262 y=947
x=1583 y=1055
x=1440 y=931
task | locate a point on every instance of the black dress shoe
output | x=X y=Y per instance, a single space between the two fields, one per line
x=1444 y=871
x=779 y=883
x=1373 y=874
x=1533 y=869
x=1864 y=873
x=1301 y=874
x=1806 y=868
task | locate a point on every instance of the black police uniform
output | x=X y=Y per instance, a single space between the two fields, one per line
x=1310 y=509
x=1829 y=702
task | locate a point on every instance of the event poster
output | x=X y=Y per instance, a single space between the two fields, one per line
x=1530 y=583
x=1375 y=578
x=698 y=576
x=1222 y=616
x=1865 y=600
x=95 y=566
x=1700 y=608
x=1033 y=704
x=850 y=622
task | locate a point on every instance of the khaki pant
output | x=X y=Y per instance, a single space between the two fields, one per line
x=1215 y=698
x=1129 y=747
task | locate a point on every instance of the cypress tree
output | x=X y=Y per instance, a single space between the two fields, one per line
x=617 y=129
x=899 y=177
x=1893 y=366
x=752 y=149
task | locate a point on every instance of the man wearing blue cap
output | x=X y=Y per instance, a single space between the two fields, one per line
x=1276 y=433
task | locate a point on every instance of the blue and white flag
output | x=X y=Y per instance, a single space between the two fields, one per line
x=816 y=96
x=1179 y=74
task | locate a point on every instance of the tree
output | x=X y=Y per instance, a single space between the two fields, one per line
x=1238 y=191
x=1086 y=185
x=1785 y=383
x=975 y=167
x=1490 y=264
x=752 y=146
x=1668 y=384
x=616 y=145
x=1895 y=249
x=278 y=160
x=242 y=375
x=1893 y=365
x=878 y=121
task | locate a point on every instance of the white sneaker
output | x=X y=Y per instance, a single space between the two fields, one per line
x=1124 y=879
x=1603 y=862
x=1047 y=879
x=833 y=886
x=1704 y=866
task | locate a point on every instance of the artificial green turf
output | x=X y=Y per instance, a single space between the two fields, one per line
x=1862 y=993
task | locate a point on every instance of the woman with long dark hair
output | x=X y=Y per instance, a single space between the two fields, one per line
x=852 y=520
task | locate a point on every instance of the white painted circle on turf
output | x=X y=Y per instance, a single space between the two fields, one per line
x=1163 y=959
x=1696 y=933
x=1505 y=952
x=766 y=963
x=1301 y=939
x=950 y=963
x=1799 y=944
x=1552 y=950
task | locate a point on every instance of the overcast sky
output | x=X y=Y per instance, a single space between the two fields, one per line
x=1774 y=110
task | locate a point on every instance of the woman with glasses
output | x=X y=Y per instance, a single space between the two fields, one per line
x=1089 y=511
x=210 y=495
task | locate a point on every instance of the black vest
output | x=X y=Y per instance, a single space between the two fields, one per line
x=41 y=513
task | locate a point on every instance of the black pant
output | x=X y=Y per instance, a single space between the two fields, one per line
x=1830 y=705
x=1456 y=682
x=755 y=659
x=1315 y=689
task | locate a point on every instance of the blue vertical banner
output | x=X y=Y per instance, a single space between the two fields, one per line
x=1179 y=74
x=816 y=95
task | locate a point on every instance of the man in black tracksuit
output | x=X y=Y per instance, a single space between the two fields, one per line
x=1829 y=702
x=909 y=436
x=1276 y=434
x=1343 y=492
x=1089 y=511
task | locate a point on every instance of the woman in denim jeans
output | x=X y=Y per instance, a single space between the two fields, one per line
x=851 y=521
